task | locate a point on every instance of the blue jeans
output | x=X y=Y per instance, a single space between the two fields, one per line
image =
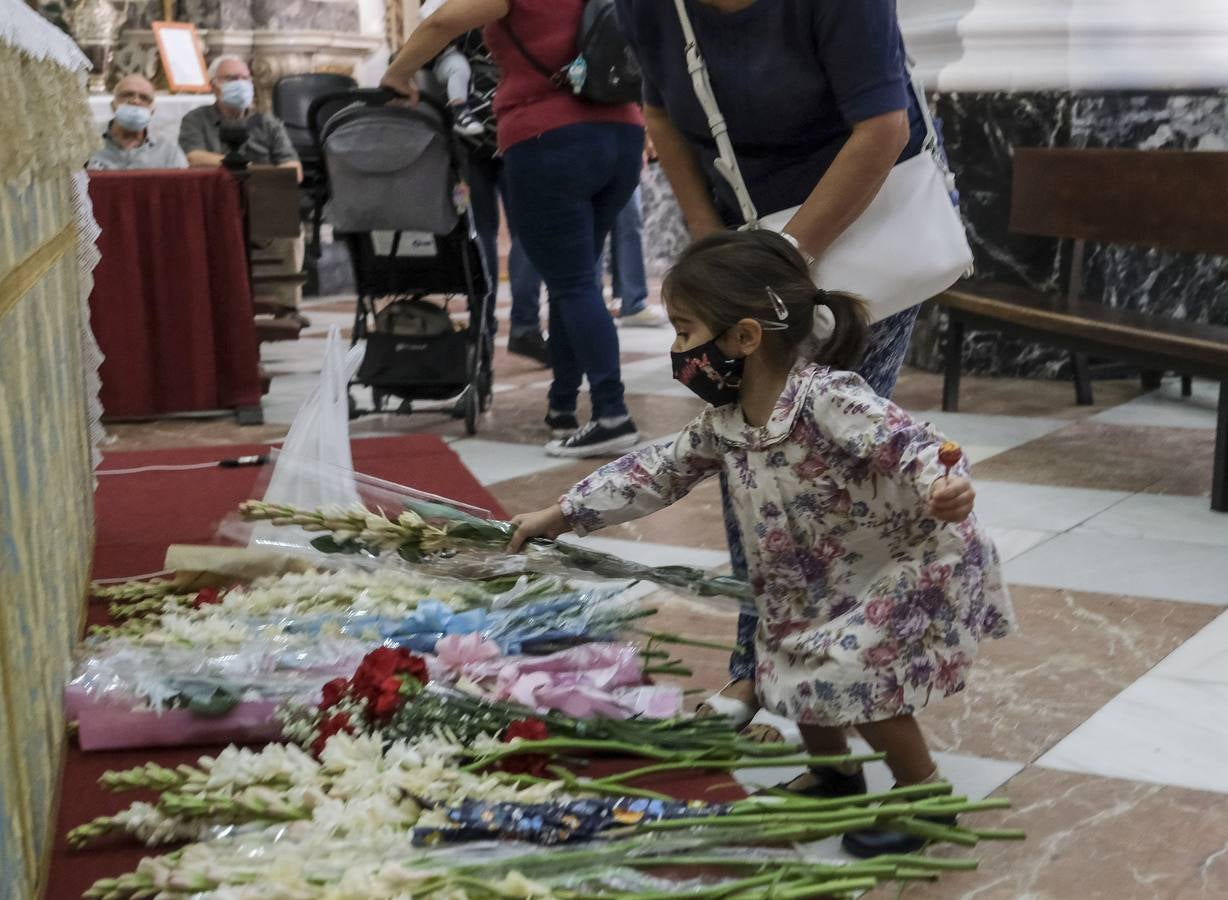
x=565 y=189
x=627 y=257
x=880 y=367
x=526 y=291
x=487 y=182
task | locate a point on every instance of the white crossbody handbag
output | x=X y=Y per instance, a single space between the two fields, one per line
x=907 y=246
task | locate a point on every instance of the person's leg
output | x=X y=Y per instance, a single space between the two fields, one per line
x=526 y=291
x=627 y=257
x=553 y=210
x=624 y=145
x=884 y=356
x=453 y=70
x=484 y=204
x=908 y=756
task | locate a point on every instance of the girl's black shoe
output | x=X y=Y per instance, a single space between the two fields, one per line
x=829 y=782
x=870 y=842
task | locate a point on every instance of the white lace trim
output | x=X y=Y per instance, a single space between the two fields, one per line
x=88 y=257
x=23 y=28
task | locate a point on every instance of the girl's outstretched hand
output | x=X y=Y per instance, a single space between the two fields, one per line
x=549 y=522
x=951 y=499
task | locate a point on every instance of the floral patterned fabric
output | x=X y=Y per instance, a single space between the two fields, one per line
x=867 y=606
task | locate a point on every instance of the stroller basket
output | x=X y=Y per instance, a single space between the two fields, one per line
x=391 y=169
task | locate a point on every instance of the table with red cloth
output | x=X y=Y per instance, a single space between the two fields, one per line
x=139 y=514
x=172 y=306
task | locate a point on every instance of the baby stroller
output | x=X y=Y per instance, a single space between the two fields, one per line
x=399 y=203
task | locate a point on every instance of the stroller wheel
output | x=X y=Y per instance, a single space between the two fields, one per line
x=473 y=405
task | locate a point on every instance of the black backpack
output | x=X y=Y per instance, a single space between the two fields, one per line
x=604 y=69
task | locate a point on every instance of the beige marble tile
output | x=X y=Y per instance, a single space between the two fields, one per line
x=1110 y=457
x=1092 y=838
x=1072 y=654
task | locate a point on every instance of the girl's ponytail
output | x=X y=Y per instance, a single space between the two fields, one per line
x=850 y=329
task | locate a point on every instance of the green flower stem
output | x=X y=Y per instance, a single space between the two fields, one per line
x=661 y=638
x=554 y=745
x=1000 y=834
x=679 y=671
x=794 y=801
x=694 y=762
x=933 y=831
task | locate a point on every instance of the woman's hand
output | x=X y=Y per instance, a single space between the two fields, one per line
x=951 y=499
x=549 y=522
x=405 y=87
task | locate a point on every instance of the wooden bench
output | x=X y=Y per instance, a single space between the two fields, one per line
x=1166 y=199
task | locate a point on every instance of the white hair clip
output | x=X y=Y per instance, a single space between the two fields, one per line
x=782 y=311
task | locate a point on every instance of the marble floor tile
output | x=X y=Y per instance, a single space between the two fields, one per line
x=1111 y=458
x=983 y=436
x=919 y=390
x=1161 y=517
x=1091 y=838
x=1073 y=652
x=1014 y=542
x=1081 y=561
x=1160 y=730
x=1166 y=408
x=1204 y=657
x=494 y=461
x=1040 y=507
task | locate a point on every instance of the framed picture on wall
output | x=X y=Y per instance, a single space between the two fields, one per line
x=182 y=60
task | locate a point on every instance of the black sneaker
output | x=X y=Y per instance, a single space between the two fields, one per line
x=464 y=122
x=531 y=345
x=562 y=425
x=594 y=439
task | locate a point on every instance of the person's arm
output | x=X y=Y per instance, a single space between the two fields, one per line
x=851 y=183
x=431 y=36
x=204 y=159
x=640 y=483
x=681 y=164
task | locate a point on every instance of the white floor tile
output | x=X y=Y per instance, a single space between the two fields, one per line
x=1040 y=507
x=986 y=436
x=1161 y=517
x=495 y=461
x=971 y=776
x=1159 y=730
x=1195 y=573
x=1014 y=542
x=650 y=554
x=1204 y=657
x=1166 y=408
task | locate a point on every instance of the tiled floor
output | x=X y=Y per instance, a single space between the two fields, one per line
x=1103 y=720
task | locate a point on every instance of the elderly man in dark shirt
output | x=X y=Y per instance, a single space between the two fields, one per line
x=200 y=132
x=267 y=144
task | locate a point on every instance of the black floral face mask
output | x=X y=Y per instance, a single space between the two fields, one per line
x=711 y=375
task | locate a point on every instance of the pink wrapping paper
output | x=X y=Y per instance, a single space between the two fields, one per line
x=109 y=726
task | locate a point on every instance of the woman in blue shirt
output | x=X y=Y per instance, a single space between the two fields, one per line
x=817 y=100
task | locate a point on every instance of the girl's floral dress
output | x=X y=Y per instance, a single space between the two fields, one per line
x=867 y=605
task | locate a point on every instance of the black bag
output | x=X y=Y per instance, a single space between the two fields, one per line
x=416 y=350
x=605 y=69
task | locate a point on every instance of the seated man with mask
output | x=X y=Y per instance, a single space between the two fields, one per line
x=267 y=144
x=127 y=143
x=200 y=132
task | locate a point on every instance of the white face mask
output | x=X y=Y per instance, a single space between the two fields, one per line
x=131 y=117
x=238 y=94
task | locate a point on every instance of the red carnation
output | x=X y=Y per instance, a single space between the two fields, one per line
x=525 y=729
x=525 y=763
x=334 y=724
x=382 y=664
x=332 y=693
x=206 y=597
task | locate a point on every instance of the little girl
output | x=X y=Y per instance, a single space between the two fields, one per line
x=868 y=604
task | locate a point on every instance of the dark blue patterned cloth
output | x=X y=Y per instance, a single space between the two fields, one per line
x=556 y=823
